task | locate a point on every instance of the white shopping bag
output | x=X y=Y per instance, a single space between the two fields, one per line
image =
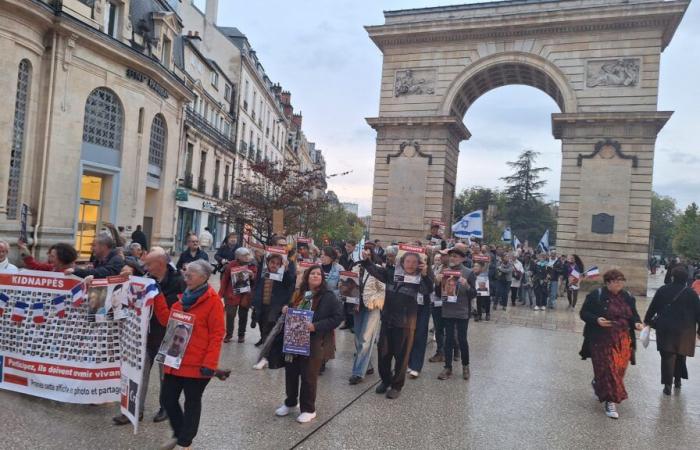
x=645 y=336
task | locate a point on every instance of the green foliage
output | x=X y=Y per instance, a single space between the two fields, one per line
x=686 y=239
x=491 y=201
x=335 y=223
x=524 y=184
x=664 y=215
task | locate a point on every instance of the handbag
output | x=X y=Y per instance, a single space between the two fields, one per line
x=654 y=321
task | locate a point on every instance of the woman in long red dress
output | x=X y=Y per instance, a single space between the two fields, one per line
x=611 y=317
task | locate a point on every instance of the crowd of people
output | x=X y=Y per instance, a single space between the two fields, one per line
x=438 y=292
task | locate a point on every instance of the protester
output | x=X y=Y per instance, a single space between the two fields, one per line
x=573 y=263
x=134 y=259
x=139 y=237
x=171 y=285
x=527 y=290
x=237 y=301
x=610 y=314
x=504 y=277
x=191 y=253
x=60 y=257
x=379 y=251
x=436 y=313
x=301 y=374
x=420 y=340
x=112 y=231
x=675 y=314
x=483 y=302
x=540 y=281
x=200 y=361
x=4 y=260
x=107 y=261
x=367 y=317
x=269 y=296
x=227 y=250
x=455 y=315
x=206 y=239
x=346 y=258
x=398 y=323
x=516 y=279
x=555 y=268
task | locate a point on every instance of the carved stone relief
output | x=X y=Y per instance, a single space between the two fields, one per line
x=622 y=72
x=414 y=82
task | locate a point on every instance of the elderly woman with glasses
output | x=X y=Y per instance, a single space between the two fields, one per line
x=199 y=346
x=608 y=338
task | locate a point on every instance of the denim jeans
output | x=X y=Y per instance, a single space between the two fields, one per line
x=366 y=331
x=439 y=328
x=503 y=290
x=420 y=340
x=553 y=292
x=461 y=326
x=527 y=295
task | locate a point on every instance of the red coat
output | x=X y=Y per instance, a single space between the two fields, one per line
x=226 y=290
x=204 y=347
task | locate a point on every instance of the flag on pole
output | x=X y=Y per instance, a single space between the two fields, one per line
x=471 y=225
x=59 y=303
x=575 y=274
x=19 y=312
x=507 y=236
x=516 y=242
x=593 y=272
x=544 y=242
x=3 y=302
x=38 y=313
x=78 y=294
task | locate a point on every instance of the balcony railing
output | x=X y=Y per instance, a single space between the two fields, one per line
x=196 y=121
x=251 y=151
x=243 y=148
x=189 y=180
x=226 y=195
x=201 y=185
x=215 y=191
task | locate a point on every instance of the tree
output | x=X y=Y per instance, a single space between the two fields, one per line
x=686 y=239
x=335 y=223
x=486 y=199
x=525 y=184
x=272 y=187
x=664 y=214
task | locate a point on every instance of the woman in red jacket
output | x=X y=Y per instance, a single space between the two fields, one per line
x=236 y=288
x=201 y=353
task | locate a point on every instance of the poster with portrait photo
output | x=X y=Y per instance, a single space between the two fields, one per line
x=297 y=337
x=97 y=295
x=304 y=249
x=349 y=287
x=240 y=279
x=302 y=267
x=408 y=260
x=117 y=302
x=483 y=289
x=275 y=259
x=177 y=337
x=449 y=285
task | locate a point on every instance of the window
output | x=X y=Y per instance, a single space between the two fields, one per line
x=206 y=110
x=18 y=131
x=104 y=119
x=242 y=130
x=227 y=92
x=159 y=136
x=217 y=169
x=111 y=19
x=215 y=80
x=202 y=167
x=165 y=54
x=195 y=103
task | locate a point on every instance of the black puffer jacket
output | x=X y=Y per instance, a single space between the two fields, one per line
x=107 y=267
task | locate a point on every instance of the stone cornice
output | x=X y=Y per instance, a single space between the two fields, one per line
x=662 y=15
x=453 y=123
x=654 y=119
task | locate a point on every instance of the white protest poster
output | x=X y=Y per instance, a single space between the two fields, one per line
x=482 y=285
x=177 y=337
x=449 y=285
x=349 y=287
x=240 y=279
x=408 y=260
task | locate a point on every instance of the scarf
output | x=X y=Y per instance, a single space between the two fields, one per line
x=189 y=297
x=5 y=264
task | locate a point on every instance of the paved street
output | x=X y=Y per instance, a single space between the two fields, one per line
x=529 y=389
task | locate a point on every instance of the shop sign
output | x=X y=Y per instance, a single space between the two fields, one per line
x=181 y=195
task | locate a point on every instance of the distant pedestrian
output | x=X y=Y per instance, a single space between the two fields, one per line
x=206 y=239
x=139 y=237
x=191 y=253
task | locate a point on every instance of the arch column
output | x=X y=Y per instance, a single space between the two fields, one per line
x=414 y=174
x=606 y=182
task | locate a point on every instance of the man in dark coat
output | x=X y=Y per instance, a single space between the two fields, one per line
x=677 y=311
x=191 y=253
x=139 y=237
x=107 y=261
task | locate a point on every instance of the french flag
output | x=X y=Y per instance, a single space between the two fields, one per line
x=3 y=302
x=38 y=310
x=593 y=272
x=575 y=274
x=78 y=294
x=150 y=293
x=19 y=312
x=59 y=304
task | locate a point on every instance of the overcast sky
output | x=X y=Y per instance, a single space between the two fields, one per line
x=319 y=50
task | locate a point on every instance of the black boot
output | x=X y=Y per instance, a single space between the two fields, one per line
x=677 y=382
x=667 y=389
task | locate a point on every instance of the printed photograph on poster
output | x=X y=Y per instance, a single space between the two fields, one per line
x=177 y=337
x=304 y=249
x=97 y=300
x=118 y=302
x=302 y=267
x=408 y=260
x=349 y=287
x=450 y=285
x=482 y=286
x=240 y=279
x=297 y=337
x=275 y=258
x=484 y=259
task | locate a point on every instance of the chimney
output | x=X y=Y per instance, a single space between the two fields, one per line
x=212 y=10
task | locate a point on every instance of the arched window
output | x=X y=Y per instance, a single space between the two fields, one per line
x=19 y=128
x=159 y=137
x=104 y=120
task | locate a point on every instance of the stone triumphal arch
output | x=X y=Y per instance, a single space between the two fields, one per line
x=598 y=59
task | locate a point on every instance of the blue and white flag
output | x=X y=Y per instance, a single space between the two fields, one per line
x=507 y=236
x=544 y=242
x=516 y=242
x=471 y=225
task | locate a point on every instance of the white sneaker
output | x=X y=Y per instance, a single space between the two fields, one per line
x=261 y=364
x=306 y=417
x=413 y=374
x=611 y=410
x=284 y=410
x=536 y=308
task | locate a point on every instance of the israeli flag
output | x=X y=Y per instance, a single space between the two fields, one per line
x=507 y=236
x=516 y=242
x=471 y=225
x=544 y=242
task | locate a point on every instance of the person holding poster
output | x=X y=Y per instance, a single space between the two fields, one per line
x=271 y=294
x=437 y=234
x=483 y=292
x=420 y=340
x=410 y=257
x=398 y=317
x=457 y=290
x=237 y=284
x=301 y=374
x=190 y=351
